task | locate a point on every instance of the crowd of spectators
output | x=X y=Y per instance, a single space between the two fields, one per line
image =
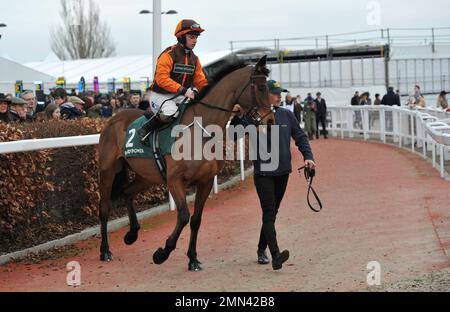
x=59 y=104
x=391 y=98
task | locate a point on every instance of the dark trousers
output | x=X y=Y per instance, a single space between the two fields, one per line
x=323 y=122
x=270 y=192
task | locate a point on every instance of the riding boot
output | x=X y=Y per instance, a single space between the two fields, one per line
x=153 y=124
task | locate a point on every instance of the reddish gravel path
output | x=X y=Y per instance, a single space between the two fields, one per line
x=381 y=203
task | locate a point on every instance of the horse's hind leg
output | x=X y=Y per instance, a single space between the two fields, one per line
x=137 y=186
x=178 y=192
x=106 y=181
x=203 y=191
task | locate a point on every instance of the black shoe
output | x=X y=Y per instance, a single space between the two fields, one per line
x=151 y=125
x=262 y=257
x=279 y=259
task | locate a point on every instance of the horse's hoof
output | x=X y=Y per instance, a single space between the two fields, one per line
x=195 y=266
x=160 y=256
x=106 y=256
x=130 y=238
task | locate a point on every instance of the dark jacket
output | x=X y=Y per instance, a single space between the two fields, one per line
x=288 y=128
x=69 y=111
x=390 y=99
x=321 y=108
x=4 y=117
x=95 y=111
x=14 y=117
x=107 y=111
x=355 y=100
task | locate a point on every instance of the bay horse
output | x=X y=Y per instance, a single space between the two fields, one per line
x=245 y=86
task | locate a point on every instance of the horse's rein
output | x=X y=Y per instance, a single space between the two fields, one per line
x=309 y=176
x=252 y=112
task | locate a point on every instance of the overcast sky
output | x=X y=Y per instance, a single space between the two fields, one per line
x=27 y=36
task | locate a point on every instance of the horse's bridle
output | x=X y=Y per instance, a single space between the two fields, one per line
x=253 y=114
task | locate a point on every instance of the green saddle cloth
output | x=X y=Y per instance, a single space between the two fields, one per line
x=133 y=148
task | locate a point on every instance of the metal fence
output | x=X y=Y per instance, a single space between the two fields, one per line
x=423 y=131
x=430 y=37
x=433 y=75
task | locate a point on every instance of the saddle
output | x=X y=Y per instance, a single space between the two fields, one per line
x=157 y=145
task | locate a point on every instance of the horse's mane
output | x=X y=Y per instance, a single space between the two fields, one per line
x=218 y=70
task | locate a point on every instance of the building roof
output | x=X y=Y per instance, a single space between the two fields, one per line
x=135 y=67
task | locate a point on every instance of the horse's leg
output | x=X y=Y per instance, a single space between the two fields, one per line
x=137 y=186
x=106 y=181
x=203 y=191
x=178 y=191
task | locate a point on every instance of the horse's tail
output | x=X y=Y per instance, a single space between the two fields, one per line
x=120 y=181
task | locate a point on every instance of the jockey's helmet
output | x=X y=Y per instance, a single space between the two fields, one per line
x=188 y=26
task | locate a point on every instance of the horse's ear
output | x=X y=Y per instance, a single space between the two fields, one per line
x=261 y=63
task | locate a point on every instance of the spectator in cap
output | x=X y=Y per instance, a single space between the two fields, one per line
x=18 y=110
x=4 y=108
x=71 y=110
x=271 y=184
x=321 y=115
x=442 y=101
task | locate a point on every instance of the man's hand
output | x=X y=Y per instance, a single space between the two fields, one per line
x=310 y=164
x=190 y=94
x=236 y=108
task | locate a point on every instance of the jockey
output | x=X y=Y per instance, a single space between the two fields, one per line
x=179 y=75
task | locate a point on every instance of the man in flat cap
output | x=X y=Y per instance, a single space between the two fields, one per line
x=18 y=110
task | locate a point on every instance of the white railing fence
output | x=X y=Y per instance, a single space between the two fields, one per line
x=424 y=131
x=41 y=144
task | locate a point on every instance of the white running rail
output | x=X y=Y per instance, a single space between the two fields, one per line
x=424 y=131
x=40 y=144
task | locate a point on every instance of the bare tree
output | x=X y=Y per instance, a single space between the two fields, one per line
x=82 y=34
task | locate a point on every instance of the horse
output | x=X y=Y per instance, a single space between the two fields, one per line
x=244 y=85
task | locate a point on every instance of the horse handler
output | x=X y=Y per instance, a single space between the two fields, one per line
x=271 y=185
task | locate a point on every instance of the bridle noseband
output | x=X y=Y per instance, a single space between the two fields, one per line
x=253 y=113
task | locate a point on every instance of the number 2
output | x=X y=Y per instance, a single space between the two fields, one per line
x=133 y=133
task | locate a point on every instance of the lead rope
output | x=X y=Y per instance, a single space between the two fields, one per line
x=309 y=176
